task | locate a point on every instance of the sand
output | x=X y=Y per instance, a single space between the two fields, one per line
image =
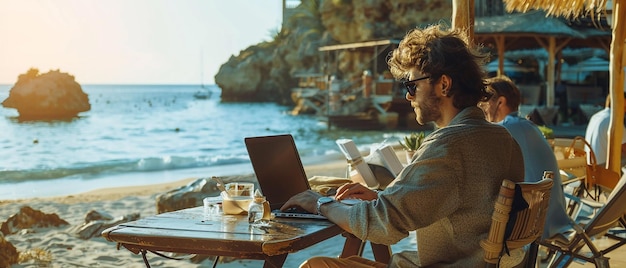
x=62 y=248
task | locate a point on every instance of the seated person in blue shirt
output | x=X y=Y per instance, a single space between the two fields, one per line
x=596 y=134
x=501 y=109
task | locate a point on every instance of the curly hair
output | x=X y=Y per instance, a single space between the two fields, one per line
x=436 y=51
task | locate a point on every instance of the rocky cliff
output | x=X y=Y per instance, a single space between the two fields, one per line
x=264 y=72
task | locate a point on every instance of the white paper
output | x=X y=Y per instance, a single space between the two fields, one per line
x=390 y=159
x=348 y=148
x=351 y=152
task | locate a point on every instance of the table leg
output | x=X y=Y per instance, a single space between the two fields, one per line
x=217 y=259
x=352 y=246
x=382 y=253
x=275 y=261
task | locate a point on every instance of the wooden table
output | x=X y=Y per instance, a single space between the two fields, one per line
x=189 y=231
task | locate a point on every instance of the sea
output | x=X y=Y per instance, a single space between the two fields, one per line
x=148 y=134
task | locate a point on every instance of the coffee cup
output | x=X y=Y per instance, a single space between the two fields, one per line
x=240 y=189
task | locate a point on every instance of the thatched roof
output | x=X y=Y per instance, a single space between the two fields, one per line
x=568 y=8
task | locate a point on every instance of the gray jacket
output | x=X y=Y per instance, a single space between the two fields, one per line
x=446 y=194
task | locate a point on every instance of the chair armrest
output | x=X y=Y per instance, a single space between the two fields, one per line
x=591 y=203
x=567 y=178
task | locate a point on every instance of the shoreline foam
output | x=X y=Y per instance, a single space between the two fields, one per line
x=73 y=186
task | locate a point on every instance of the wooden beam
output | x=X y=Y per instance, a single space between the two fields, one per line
x=604 y=44
x=541 y=42
x=616 y=86
x=500 y=47
x=550 y=85
x=563 y=43
x=552 y=49
x=463 y=17
x=509 y=40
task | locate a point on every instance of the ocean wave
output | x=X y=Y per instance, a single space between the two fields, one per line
x=136 y=132
x=92 y=170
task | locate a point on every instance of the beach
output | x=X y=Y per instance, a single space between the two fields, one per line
x=67 y=250
x=140 y=141
x=137 y=142
x=149 y=134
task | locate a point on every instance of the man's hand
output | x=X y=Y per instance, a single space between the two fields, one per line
x=355 y=190
x=306 y=200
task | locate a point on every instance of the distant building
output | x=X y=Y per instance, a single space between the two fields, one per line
x=289 y=7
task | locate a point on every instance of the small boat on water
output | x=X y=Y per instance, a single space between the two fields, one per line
x=202 y=94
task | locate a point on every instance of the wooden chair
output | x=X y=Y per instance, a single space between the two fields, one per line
x=354 y=246
x=581 y=179
x=581 y=236
x=518 y=220
x=596 y=181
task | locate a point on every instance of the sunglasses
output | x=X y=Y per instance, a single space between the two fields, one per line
x=411 y=86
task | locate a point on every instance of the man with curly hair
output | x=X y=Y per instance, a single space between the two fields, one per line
x=447 y=193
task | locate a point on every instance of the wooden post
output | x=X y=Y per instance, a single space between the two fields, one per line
x=553 y=49
x=550 y=85
x=616 y=85
x=500 y=46
x=463 y=17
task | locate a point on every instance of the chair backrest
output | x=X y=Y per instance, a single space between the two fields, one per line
x=610 y=213
x=518 y=218
x=574 y=160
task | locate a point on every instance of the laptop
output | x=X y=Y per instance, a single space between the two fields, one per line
x=279 y=171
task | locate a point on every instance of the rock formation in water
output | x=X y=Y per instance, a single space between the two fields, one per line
x=48 y=96
x=265 y=72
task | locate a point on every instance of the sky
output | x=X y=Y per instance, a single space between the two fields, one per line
x=131 y=41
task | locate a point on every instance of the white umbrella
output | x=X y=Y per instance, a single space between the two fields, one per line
x=593 y=64
x=572 y=74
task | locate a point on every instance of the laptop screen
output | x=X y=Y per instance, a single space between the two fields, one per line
x=278 y=167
